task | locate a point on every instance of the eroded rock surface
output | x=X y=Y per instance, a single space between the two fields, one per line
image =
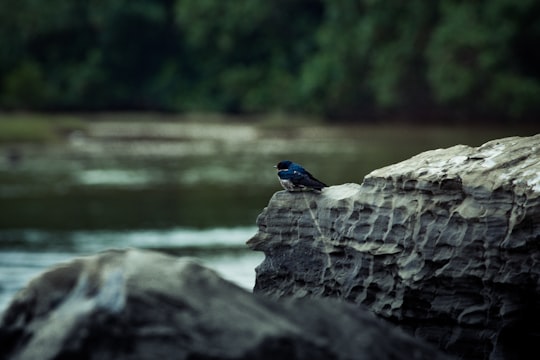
x=446 y=244
x=135 y=304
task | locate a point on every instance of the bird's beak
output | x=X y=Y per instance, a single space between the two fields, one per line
x=275 y=166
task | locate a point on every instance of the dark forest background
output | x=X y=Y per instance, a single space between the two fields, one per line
x=339 y=59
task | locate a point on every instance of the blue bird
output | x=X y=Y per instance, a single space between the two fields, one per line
x=293 y=177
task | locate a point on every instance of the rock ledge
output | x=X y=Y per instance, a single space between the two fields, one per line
x=446 y=244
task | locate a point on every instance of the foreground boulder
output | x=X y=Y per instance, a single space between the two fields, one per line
x=143 y=305
x=446 y=244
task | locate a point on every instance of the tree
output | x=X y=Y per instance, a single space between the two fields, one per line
x=337 y=58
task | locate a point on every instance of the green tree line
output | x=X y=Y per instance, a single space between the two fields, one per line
x=353 y=59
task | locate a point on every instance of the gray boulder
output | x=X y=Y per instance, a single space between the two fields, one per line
x=445 y=244
x=136 y=304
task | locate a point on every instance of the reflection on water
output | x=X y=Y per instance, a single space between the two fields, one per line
x=116 y=177
x=88 y=241
x=197 y=187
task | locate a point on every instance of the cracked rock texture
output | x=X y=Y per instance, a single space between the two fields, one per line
x=445 y=244
x=134 y=304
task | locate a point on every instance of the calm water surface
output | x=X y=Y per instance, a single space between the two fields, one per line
x=181 y=188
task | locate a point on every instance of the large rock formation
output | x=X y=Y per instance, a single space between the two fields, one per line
x=143 y=305
x=446 y=244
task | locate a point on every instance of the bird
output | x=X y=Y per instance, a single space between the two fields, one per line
x=293 y=177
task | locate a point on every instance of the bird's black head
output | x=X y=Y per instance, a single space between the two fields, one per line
x=283 y=165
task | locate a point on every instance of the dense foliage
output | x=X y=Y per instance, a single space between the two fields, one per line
x=337 y=58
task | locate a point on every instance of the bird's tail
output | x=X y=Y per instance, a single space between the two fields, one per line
x=315 y=184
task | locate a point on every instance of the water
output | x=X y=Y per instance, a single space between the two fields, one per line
x=185 y=189
x=26 y=253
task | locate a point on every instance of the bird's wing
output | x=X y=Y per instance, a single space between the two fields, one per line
x=306 y=179
x=298 y=176
x=314 y=179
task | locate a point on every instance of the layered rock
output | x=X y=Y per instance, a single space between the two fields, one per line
x=446 y=244
x=142 y=305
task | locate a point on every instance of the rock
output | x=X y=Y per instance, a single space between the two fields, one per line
x=135 y=304
x=445 y=244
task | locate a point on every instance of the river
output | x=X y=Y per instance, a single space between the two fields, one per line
x=183 y=188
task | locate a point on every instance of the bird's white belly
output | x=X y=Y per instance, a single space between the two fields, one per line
x=288 y=185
